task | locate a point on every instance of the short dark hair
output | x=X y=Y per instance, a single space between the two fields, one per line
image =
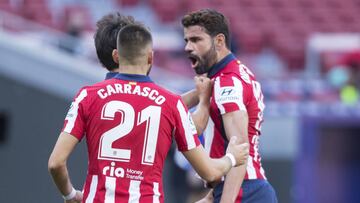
x=132 y=41
x=105 y=37
x=213 y=22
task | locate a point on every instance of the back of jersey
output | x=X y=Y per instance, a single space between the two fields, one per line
x=129 y=123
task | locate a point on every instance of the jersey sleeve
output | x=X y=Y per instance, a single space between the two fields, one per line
x=229 y=94
x=185 y=131
x=75 y=121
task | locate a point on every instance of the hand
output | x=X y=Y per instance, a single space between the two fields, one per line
x=77 y=199
x=207 y=199
x=203 y=86
x=240 y=151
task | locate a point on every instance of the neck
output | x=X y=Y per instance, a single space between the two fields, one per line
x=222 y=54
x=115 y=70
x=131 y=69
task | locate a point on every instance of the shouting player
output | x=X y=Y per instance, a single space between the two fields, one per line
x=105 y=44
x=236 y=106
x=129 y=124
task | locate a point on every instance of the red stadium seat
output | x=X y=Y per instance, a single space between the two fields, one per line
x=37 y=12
x=281 y=4
x=246 y=3
x=6 y=6
x=128 y=2
x=168 y=10
x=82 y=15
x=249 y=41
x=191 y=5
x=166 y=13
x=293 y=52
x=28 y=2
x=290 y=15
x=308 y=4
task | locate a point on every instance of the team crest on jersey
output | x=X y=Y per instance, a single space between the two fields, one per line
x=227 y=94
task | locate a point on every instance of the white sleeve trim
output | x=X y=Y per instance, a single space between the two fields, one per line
x=73 y=112
x=187 y=125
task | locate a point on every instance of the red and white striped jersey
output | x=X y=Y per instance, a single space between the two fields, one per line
x=129 y=124
x=235 y=88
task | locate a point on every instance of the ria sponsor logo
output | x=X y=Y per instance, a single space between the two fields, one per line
x=113 y=171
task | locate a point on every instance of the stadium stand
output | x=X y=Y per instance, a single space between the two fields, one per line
x=288 y=23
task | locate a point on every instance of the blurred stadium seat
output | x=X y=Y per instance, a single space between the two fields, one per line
x=126 y=3
x=251 y=20
x=6 y=6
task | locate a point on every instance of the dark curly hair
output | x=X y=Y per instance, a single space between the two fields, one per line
x=105 y=36
x=213 y=22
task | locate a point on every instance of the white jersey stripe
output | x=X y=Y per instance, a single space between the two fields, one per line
x=216 y=94
x=156 y=197
x=186 y=124
x=110 y=184
x=250 y=169
x=74 y=112
x=92 y=192
x=209 y=135
x=134 y=191
x=239 y=91
x=262 y=172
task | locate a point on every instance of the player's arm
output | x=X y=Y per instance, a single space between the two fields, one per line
x=190 y=98
x=235 y=124
x=200 y=97
x=201 y=115
x=58 y=169
x=213 y=169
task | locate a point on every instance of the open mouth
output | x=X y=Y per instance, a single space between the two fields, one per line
x=194 y=60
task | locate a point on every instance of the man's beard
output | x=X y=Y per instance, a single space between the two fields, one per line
x=206 y=61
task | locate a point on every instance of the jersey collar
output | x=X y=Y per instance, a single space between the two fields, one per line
x=220 y=65
x=110 y=75
x=133 y=77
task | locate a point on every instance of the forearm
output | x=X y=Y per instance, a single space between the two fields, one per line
x=207 y=168
x=235 y=124
x=201 y=116
x=214 y=169
x=233 y=183
x=220 y=168
x=190 y=98
x=61 y=178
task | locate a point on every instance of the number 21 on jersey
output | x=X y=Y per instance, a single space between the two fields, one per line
x=150 y=115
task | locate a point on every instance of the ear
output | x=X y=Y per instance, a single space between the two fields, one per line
x=150 y=57
x=220 y=40
x=115 y=56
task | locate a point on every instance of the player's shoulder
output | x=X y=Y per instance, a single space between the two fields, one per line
x=99 y=85
x=90 y=90
x=237 y=70
x=167 y=93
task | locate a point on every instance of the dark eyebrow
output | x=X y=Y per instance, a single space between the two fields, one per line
x=192 y=38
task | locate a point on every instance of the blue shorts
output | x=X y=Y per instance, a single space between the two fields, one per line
x=252 y=191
